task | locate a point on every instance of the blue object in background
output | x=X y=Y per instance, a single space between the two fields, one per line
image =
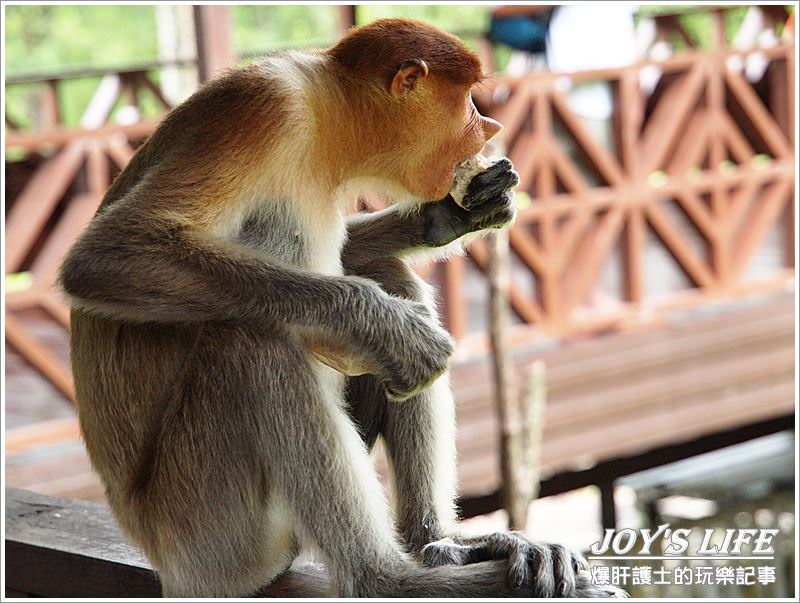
x=522 y=33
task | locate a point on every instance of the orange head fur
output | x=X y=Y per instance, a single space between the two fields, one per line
x=411 y=83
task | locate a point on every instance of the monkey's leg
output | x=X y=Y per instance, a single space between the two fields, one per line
x=317 y=464
x=203 y=505
x=419 y=433
x=420 y=440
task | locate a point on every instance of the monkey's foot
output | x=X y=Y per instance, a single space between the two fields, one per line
x=552 y=570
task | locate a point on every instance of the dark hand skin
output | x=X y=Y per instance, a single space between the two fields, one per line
x=488 y=203
x=392 y=233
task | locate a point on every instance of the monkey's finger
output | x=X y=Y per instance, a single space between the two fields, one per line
x=542 y=561
x=483 y=187
x=579 y=562
x=481 y=190
x=519 y=568
x=495 y=213
x=444 y=552
x=490 y=177
x=564 y=572
x=492 y=172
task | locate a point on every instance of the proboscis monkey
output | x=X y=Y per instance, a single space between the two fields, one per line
x=220 y=270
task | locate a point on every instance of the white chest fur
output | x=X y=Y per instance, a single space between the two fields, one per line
x=325 y=235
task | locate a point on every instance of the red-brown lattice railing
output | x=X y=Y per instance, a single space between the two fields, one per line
x=701 y=175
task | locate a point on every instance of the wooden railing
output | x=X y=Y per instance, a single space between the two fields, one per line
x=55 y=182
x=703 y=169
x=58 y=547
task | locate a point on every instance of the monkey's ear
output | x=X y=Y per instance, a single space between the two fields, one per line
x=405 y=80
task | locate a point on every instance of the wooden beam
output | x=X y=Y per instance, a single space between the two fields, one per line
x=717 y=253
x=27 y=437
x=59 y=547
x=214 y=43
x=37 y=201
x=144 y=80
x=51 y=110
x=678 y=247
x=709 y=227
x=621 y=466
x=523 y=243
x=56 y=307
x=454 y=302
x=759 y=115
x=608 y=508
x=97 y=169
x=35 y=141
x=768 y=210
x=120 y=150
x=629 y=114
x=692 y=146
x=39 y=356
x=633 y=249
x=605 y=163
x=347 y=17
x=527 y=309
x=590 y=256
x=669 y=118
x=77 y=215
x=513 y=113
x=102 y=102
x=739 y=146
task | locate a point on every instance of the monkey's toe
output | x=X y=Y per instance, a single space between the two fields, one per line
x=444 y=552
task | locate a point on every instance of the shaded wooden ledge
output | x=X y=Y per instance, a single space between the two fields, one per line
x=60 y=547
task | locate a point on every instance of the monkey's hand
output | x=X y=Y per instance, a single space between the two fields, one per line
x=412 y=349
x=551 y=570
x=488 y=203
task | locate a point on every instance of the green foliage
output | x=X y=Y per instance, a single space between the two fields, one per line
x=64 y=36
x=52 y=38
x=455 y=19
x=261 y=28
x=698 y=25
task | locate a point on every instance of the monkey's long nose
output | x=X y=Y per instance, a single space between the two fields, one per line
x=490 y=128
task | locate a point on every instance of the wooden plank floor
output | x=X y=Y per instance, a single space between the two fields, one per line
x=608 y=396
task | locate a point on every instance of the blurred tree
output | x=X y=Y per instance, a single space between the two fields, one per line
x=55 y=37
x=258 y=29
x=455 y=19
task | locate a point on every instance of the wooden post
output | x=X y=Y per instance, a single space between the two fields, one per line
x=607 y=506
x=534 y=398
x=347 y=17
x=214 y=45
x=521 y=417
x=505 y=385
x=175 y=31
x=454 y=306
x=51 y=111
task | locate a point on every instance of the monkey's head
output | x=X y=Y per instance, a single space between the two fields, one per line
x=419 y=81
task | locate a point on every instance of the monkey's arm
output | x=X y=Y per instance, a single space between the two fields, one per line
x=150 y=268
x=402 y=231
